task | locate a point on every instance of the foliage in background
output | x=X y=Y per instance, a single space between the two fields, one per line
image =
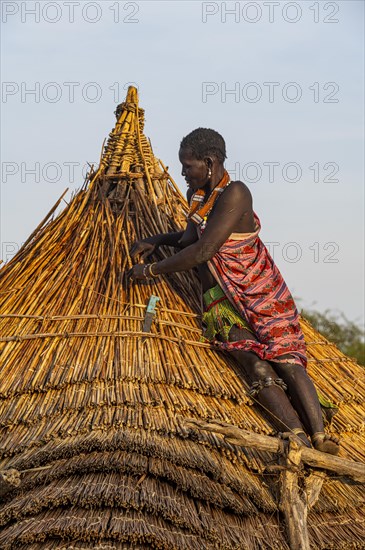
x=347 y=335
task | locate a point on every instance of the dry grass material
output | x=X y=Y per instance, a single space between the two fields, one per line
x=92 y=410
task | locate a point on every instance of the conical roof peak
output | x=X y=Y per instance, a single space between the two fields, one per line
x=124 y=144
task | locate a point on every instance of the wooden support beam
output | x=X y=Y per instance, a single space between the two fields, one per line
x=297 y=496
x=311 y=457
x=293 y=503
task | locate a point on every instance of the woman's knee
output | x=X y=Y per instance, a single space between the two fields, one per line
x=261 y=369
x=256 y=368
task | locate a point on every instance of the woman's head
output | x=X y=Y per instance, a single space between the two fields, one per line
x=202 y=154
x=204 y=142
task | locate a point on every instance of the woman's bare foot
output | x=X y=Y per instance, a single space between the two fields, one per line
x=326 y=443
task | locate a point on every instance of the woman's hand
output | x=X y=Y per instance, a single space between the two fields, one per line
x=137 y=272
x=142 y=272
x=142 y=249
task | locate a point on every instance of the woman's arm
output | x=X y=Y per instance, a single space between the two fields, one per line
x=179 y=239
x=233 y=204
x=165 y=239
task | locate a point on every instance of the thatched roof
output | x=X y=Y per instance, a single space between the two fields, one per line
x=92 y=410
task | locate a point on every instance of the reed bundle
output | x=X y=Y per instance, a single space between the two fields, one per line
x=92 y=409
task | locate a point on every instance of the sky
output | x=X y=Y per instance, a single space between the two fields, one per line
x=282 y=81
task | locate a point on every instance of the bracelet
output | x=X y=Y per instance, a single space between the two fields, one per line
x=147 y=271
x=150 y=272
x=144 y=271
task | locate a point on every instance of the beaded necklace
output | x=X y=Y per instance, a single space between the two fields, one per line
x=199 y=213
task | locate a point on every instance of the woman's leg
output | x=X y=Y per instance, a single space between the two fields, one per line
x=266 y=387
x=304 y=398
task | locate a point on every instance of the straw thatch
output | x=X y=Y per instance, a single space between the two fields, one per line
x=92 y=410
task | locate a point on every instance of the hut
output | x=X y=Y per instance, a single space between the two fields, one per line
x=98 y=449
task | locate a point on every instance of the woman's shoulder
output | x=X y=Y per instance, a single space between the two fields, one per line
x=237 y=190
x=239 y=185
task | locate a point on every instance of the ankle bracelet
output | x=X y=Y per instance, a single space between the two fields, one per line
x=298 y=431
x=259 y=385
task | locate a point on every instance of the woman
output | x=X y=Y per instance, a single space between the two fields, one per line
x=249 y=310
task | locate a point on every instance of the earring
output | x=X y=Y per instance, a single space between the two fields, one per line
x=209 y=173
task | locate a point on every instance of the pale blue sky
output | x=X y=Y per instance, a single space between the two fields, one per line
x=170 y=53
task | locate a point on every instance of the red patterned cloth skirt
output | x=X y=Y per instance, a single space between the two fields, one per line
x=248 y=276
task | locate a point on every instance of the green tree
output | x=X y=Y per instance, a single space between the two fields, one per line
x=347 y=335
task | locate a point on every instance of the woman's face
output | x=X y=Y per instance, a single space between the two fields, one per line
x=193 y=170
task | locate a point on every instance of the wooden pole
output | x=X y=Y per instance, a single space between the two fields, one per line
x=293 y=503
x=311 y=457
x=297 y=496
